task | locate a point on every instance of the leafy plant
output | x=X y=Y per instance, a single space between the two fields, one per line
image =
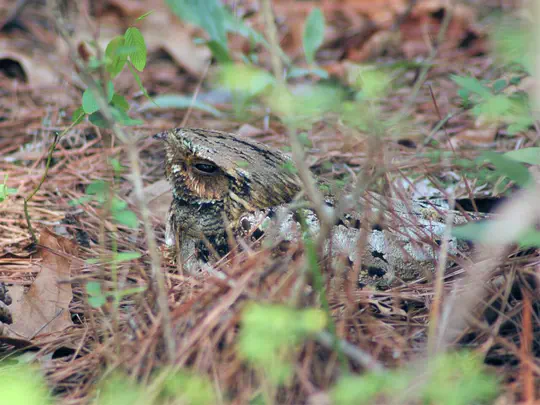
x=5 y=191
x=23 y=385
x=101 y=192
x=490 y=103
x=446 y=372
x=269 y=334
x=124 y=50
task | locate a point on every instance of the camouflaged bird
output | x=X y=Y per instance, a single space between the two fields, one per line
x=221 y=181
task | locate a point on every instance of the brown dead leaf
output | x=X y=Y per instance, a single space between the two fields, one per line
x=44 y=308
x=482 y=136
x=178 y=41
x=421 y=28
x=34 y=66
x=158 y=197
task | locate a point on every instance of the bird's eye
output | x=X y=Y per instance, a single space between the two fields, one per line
x=205 y=168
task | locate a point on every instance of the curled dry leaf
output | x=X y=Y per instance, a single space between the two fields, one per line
x=481 y=136
x=44 y=308
x=34 y=66
x=178 y=41
x=422 y=26
x=158 y=197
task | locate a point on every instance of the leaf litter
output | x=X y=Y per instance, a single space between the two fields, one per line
x=47 y=282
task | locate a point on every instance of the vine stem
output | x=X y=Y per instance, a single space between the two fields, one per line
x=27 y=199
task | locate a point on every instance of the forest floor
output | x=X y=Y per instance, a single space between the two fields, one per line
x=85 y=297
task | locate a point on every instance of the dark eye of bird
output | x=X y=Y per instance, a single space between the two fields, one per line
x=206 y=168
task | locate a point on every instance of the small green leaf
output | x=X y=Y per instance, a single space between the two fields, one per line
x=125 y=256
x=210 y=15
x=78 y=115
x=121 y=117
x=144 y=15
x=82 y=200
x=499 y=85
x=93 y=288
x=97 y=187
x=313 y=35
x=471 y=84
x=120 y=102
x=530 y=239
x=290 y=167
x=115 y=61
x=472 y=231
x=117 y=204
x=525 y=155
x=96 y=298
x=245 y=79
x=117 y=166
x=97 y=302
x=98 y=120
x=134 y=38
x=127 y=218
x=303 y=137
x=89 y=103
x=510 y=168
x=219 y=52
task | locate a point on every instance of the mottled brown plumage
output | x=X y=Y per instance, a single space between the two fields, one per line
x=217 y=177
x=219 y=180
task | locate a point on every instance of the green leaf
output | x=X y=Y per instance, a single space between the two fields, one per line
x=245 y=79
x=127 y=218
x=121 y=117
x=510 y=168
x=120 y=102
x=97 y=302
x=472 y=231
x=125 y=256
x=117 y=166
x=139 y=82
x=179 y=101
x=499 y=85
x=96 y=298
x=144 y=15
x=93 y=288
x=23 y=385
x=530 y=239
x=209 y=15
x=98 y=120
x=134 y=38
x=313 y=35
x=115 y=61
x=525 y=155
x=97 y=187
x=466 y=371
x=220 y=53
x=82 y=200
x=471 y=84
x=89 y=103
x=78 y=115
x=117 y=204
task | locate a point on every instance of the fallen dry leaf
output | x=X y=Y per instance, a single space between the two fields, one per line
x=158 y=197
x=36 y=69
x=44 y=308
